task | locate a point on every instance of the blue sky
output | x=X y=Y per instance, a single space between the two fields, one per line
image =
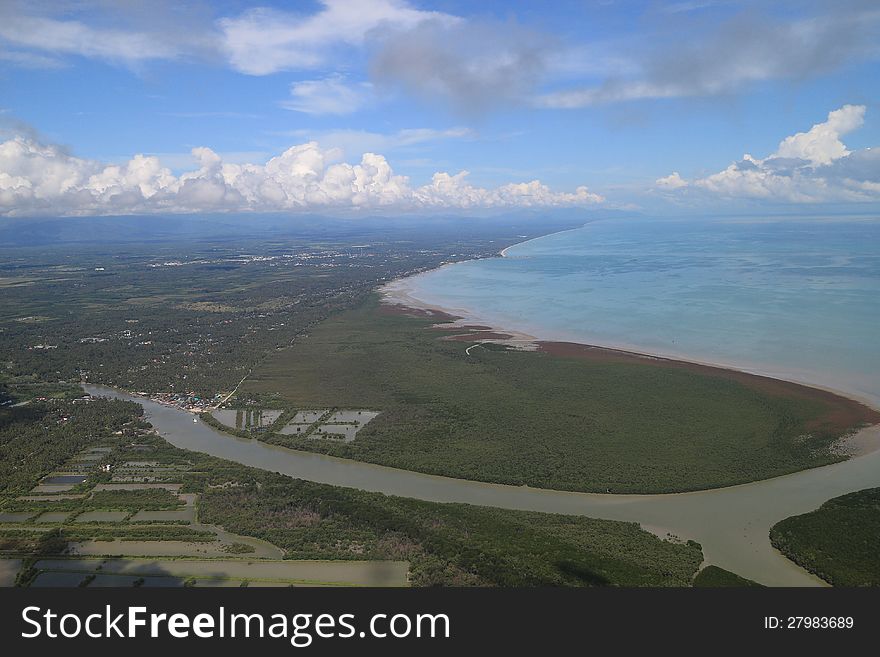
x=600 y=102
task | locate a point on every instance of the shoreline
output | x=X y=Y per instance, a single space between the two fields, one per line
x=398 y=293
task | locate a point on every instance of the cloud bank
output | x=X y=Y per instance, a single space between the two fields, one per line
x=472 y=64
x=747 y=49
x=36 y=178
x=807 y=167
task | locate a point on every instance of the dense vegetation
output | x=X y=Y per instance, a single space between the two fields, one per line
x=620 y=425
x=839 y=541
x=37 y=437
x=450 y=543
x=715 y=577
x=161 y=317
x=446 y=544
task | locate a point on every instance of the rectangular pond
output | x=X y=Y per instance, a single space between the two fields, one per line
x=8 y=570
x=183 y=515
x=343 y=432
x=16 y=516
x=52 y=488
x=62 y=579
x=137 y=486
x=53 y=516
x=359 y=416
x=64 y=479
x=246 y=418
x=308 y=416
x=102 y=516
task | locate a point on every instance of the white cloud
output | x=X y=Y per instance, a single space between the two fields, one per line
x=807 y=167
x=127 y=33
x=821 y=144
x=25 y=59
x=328 y=96
x=263 y=41
x=447 y=190
x=672 y=181
x=36 y=178
x=78 y=38
x=472 y=64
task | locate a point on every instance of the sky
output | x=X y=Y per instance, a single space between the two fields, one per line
x=402 y=106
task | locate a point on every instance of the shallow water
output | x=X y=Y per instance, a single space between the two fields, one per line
x=732 y=524
x=102 y=516
x=64 y=479
x=795 y=299
x=8 y=571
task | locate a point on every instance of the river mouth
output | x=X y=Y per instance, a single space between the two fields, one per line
x=732 y=524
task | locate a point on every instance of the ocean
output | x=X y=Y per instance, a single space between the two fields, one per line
x=797 y=299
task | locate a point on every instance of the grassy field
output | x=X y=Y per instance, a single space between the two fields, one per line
x=838 y=541
x=588 y=421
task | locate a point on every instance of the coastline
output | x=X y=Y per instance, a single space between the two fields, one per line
x=399 y=293
x=503 y=252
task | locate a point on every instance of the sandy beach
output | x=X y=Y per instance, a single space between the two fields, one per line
x=398 y=293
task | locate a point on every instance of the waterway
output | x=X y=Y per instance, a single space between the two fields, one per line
x=732 y=524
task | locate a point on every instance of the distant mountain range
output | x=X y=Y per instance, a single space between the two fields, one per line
x=37 y=231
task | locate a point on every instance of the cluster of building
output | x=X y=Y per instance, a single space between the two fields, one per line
x=186 y=401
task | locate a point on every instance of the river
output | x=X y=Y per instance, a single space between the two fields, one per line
x=732 y=524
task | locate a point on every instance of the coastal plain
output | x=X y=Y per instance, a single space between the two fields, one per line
x=560 y=416
x=292 y=346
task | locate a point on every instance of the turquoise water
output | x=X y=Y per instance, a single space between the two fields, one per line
x=796 y=299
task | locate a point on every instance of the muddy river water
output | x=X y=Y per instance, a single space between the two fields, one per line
x=732 y=524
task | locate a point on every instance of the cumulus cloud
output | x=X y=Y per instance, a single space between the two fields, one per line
x=672 y=181
x=821 y=144
x=447 y=190
x=811 y=166
x=36 y=178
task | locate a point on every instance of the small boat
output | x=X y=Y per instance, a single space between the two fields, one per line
x=195 y=419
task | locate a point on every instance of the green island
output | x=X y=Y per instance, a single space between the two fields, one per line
x=838 y=541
